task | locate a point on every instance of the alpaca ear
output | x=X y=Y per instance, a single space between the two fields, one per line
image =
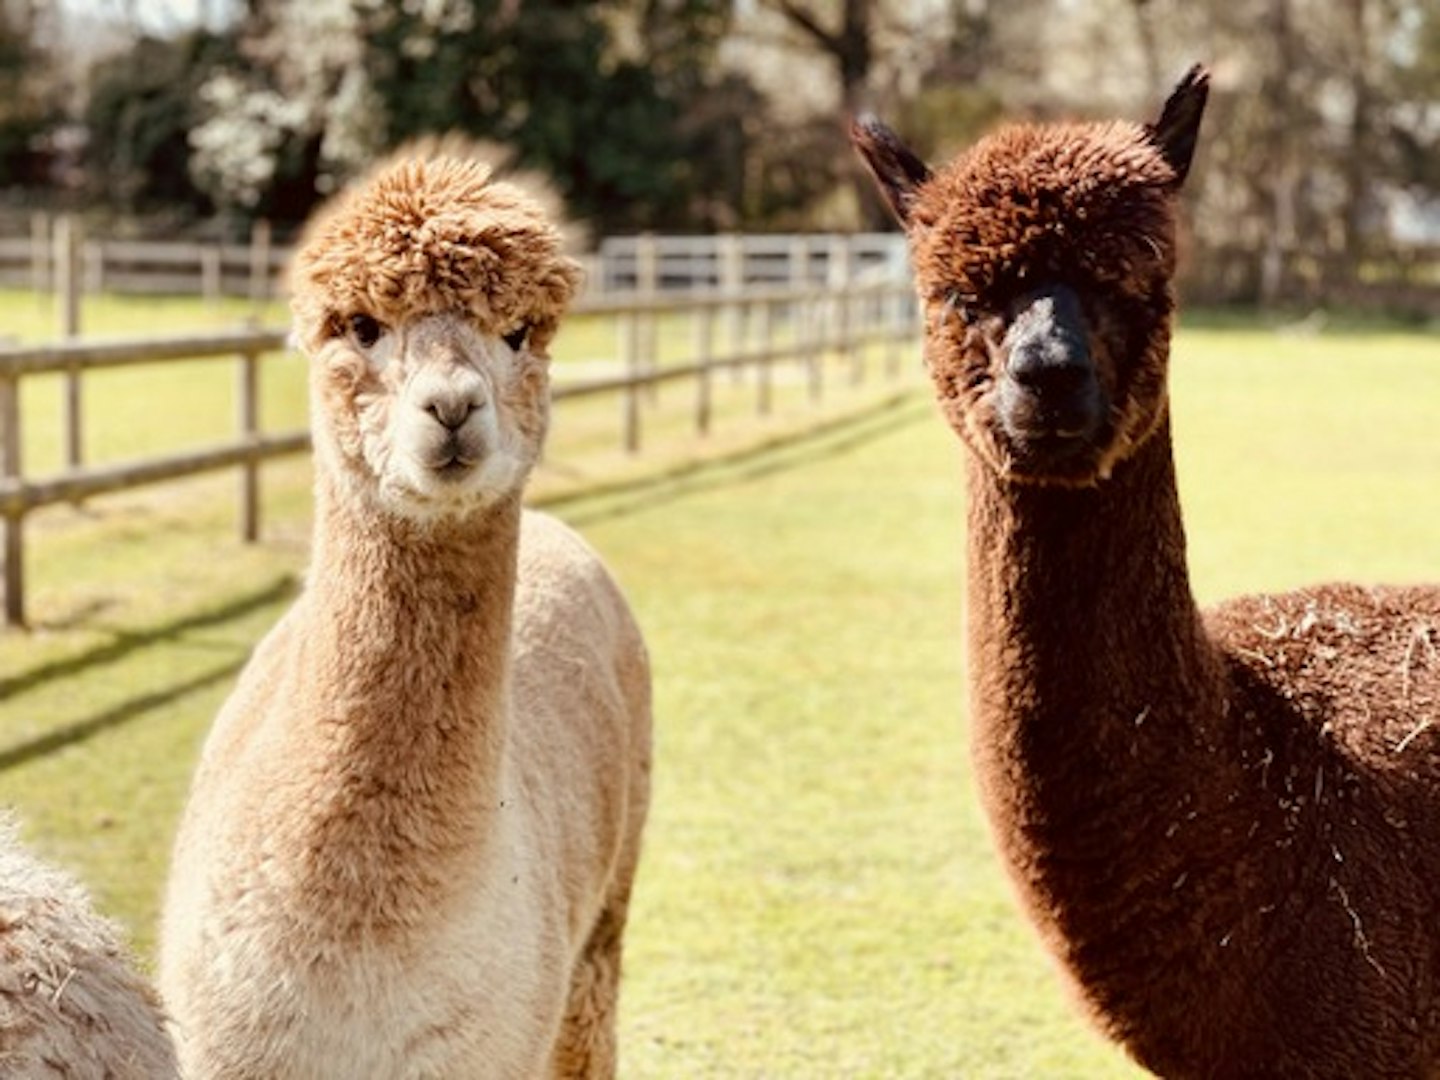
x=1179 y=124
x=897 y=171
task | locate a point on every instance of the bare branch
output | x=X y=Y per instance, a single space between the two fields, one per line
x=802 y=18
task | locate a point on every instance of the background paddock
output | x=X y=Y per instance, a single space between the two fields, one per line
x=818 y=897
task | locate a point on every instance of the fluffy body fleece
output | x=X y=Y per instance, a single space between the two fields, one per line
x=1225 y=824
x=71 y=1004
x=411 y=838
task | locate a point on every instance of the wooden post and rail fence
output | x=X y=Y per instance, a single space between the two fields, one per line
x=766 y=327
x=56 y=257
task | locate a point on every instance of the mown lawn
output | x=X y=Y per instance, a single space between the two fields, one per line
x=818 y=897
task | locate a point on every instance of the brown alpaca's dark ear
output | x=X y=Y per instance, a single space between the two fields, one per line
x=897 y=171
x=1179 y=124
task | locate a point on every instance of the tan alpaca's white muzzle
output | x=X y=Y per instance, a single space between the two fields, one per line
x=449 y=419
x=451 y=445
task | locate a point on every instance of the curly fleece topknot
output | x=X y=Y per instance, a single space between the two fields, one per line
x=426 y=236
x=1031 y=203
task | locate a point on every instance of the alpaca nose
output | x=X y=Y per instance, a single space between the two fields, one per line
x=450 y=400
x=1055 y=389
x=1051 y=366
x=450 y=411
x=1048 y=350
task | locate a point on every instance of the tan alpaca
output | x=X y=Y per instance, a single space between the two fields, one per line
x=71 y=1003
x=412 y=834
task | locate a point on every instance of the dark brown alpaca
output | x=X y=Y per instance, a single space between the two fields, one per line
x=1225 y=824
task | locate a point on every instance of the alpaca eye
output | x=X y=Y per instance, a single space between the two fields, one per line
x=962 y=307
x=367 y=330
x=516 y=338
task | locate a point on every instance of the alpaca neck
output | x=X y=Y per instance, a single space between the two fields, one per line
x=1089 y=664
x=414 y=623
x=405 y=666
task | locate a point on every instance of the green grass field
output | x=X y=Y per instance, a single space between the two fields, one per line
x=818 y=898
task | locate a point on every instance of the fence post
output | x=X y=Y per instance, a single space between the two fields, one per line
x=248 y=414
x=11 y=524
x=762 y=376
x=895 y=328
x=260 y=263
x=40 y=254
x=211 y=275
x=606 y=272
x=799 y=262
x=732 y=284
x=812 y=325
x=704 y=350
x=92 y=262
x=841 y=274
x=630 y=357
x=647 y=284
x=67 y=287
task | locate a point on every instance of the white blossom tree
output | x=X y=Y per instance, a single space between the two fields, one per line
x=303 y=85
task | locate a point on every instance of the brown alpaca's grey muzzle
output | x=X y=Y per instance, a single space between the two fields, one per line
x=1049 y=396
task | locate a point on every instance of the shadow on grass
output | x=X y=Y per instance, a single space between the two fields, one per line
x=594 y=504
x=779 y=454
x=127 y=642
x=113 y=718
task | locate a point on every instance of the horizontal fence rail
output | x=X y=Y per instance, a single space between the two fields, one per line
x=57 y=257
x=651 y=263
x=820 y=323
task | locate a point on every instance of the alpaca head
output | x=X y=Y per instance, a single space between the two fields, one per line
x=425 y=299
x=1044 y=257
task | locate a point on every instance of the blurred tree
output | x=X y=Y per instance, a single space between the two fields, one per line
x=1309 y=141
x=979 y=63
x=548 y=80
x=143 y=104
x=290 y=115
x=619 y=102
x=717 y=127
x=1322 y=113
x=683 y=114
x=29 y=101
x=1413 y=125
x=846 y=39
x=930 y=67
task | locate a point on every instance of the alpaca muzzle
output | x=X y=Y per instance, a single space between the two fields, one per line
x=446 y=404
x=1050 y=399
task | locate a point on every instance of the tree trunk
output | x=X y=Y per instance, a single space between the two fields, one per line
x=850 y=50
x=1358 y=156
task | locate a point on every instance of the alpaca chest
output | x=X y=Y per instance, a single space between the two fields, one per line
x=482 y=995
x=471 y=1002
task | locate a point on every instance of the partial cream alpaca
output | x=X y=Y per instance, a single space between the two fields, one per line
x=71 y=1004
x=413 y=831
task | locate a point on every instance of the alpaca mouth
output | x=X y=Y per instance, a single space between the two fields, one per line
x=454 y=459
x=1051 y=427
x=452 y=464
x=1052 y=455
x=454 y=469
x=1054 y=442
